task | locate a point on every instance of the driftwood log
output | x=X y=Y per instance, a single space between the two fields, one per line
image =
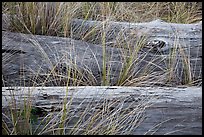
x=45 y=60
x=184 y=34
x=163 y=110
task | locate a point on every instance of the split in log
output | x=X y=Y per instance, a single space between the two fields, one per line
x=156 y=110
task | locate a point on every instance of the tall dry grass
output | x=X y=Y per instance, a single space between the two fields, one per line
x=53 y=18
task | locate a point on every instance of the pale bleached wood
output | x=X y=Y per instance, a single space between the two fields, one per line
x=185 y=35
x=181 y=108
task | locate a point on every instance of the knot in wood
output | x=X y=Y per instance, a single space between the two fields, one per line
x=156 y=43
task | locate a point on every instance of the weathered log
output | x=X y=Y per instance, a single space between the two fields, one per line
x=184 y=35
x=33 y=57
x=42 y=54
x=176 y=111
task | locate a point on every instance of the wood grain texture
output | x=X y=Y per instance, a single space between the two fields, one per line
x=165 y=110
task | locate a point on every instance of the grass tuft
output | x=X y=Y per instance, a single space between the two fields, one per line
x=53 y=19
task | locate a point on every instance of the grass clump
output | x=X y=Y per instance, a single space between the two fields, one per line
x=53 y=19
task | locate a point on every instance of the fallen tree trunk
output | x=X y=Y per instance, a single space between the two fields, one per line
x=163 y=110
x=41 y=55
x=170 y=33
x=45 y=60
